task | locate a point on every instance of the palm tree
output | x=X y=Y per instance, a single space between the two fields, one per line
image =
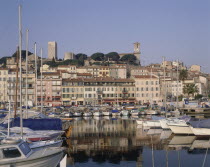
x=190 y=89
x=183 y=74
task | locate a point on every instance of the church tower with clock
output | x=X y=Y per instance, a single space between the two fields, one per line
x=137 y=52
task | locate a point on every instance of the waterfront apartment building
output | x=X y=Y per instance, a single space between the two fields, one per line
x=147 y=89
x=176 y=88
x=3 y=86
x=95 y=91
x=52 y=50
x=51 y=89
x=104 y=71
x=11 y=87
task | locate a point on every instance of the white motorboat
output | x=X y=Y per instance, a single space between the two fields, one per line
x=201 y=127
x=152 y=123
x=18 y=153
x=125 y=112
x=97 y=113
x=200 y=131
x=180 y=127
x=107 y=113
x=164 y=125
x=67 y=114
x=115 y=113
x=53 y=115
x=134 y=112
x=87 y=114
x=151 y=112
x=77 y=114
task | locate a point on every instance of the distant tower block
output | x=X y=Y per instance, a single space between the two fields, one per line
x=69 y=55
x=52 y=50
x=137 y=47
x=137 y=52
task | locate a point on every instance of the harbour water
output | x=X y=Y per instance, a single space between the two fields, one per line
x=114 y=142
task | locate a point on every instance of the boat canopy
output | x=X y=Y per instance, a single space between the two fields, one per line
x=115 y=111
x=200 y=124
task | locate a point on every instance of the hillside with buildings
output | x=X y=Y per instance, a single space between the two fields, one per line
x=99 y=79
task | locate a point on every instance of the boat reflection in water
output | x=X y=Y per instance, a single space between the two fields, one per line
x=120 y=142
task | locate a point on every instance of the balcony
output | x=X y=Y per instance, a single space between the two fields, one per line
x=125 y=91
x=125 y=96
x=99 y=92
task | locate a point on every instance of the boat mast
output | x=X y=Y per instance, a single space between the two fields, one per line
x=151 y=88
x=20 y=64
x=27 y=73
x=177 y=83
x=117 y=96
x=35 y=75
x=41 y=85
x=16 y=83
x=8 y=129
x=164 y=75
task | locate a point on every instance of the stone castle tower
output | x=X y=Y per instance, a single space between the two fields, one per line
x=137 y=52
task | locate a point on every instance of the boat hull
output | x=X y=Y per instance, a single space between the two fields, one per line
x=163 y=124
x=107 y=113
x=181 y=130
x=200 y=131
x=87 y=114
x=51 y=160
x=139 y=122
x=97 y=114
x=152 y=124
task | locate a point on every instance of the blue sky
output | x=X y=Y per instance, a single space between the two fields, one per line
x=176 y=29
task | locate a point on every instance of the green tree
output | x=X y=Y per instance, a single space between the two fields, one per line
x=130 y=58
x=114 y=56
x=81 y=56
x=97 y=56
x=198 y=96
x=190 y=89
x=3 y=61
x=180 y=97
x=23 y=54
x=183 y=74
x=52 y=63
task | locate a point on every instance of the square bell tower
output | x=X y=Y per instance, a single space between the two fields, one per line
x=137 y=52
x=136 y=47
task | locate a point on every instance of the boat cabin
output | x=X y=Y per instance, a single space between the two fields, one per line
x=13 y=149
